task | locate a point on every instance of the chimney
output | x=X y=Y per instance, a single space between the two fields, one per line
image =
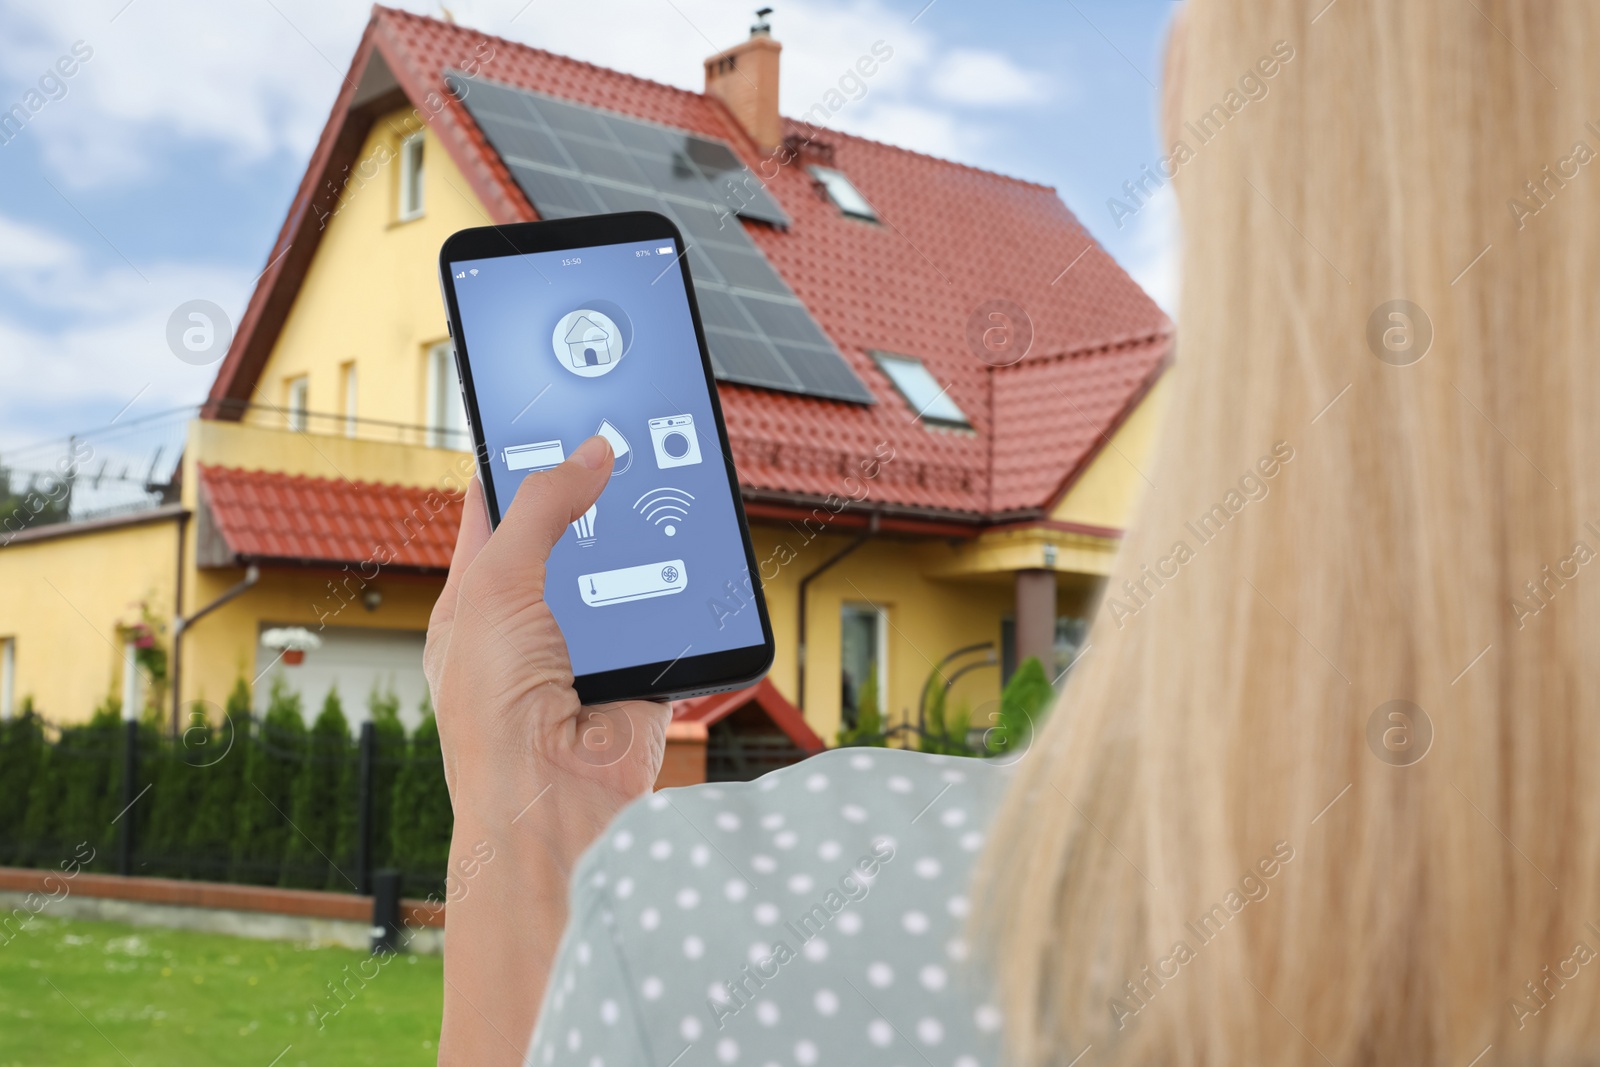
x=745 y=77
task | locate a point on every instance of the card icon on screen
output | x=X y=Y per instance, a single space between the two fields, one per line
x=633 y=583
x=538 y=456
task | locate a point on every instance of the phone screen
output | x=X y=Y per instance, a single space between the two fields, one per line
x=566 y=344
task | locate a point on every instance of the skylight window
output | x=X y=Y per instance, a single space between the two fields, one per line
x=930 y=400
x=842 y=193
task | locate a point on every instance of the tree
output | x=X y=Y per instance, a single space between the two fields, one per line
x=389 y=737
x=321 y=795
x=275 y=751
x=1024 y=703
x=22 y=755
x=87 y=787
x=223 y=752
x=422 y=817
x=868 y=729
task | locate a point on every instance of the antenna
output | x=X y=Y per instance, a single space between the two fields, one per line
x=762 y=26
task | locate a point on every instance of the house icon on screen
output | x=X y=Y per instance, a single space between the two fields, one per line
x=588 y=343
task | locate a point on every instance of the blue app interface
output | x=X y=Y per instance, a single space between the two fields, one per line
x=562 y=346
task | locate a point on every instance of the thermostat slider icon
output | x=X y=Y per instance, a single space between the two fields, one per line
x=633 y=583
x=539 y=456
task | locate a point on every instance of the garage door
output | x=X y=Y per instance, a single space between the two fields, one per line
x=355 y=659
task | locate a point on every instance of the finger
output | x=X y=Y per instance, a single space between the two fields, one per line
x=470 y=539
x=548 y=501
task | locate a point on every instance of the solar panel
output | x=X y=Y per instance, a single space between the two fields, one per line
x=573 y=160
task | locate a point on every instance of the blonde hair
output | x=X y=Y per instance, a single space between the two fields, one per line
x=1428 y=540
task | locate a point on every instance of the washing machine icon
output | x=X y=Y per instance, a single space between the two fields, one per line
x=676 y=443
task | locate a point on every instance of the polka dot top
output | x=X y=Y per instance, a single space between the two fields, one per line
x=814 y=916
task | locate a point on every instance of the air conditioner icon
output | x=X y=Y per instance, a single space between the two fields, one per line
x=588 y=343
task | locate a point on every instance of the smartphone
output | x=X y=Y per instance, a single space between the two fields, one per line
x=574 y=327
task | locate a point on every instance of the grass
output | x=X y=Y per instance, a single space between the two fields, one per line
x=107 y=993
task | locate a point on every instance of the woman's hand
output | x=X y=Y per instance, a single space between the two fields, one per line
x=534 y=776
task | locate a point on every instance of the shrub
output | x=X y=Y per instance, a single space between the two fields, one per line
x=868 y=729
x=322 y=794
x=1024 y=703
x=422 y=815
x=22 y=755
x=223 y=753
x=274 y=753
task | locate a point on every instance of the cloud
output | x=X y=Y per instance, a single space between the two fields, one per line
x=986 y=79
x=1157 y=246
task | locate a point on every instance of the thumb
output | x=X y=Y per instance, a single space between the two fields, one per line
x=548 y=501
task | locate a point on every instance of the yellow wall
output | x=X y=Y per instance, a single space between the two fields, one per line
x=1106 y=493
x=371 y=295
x=64 y=597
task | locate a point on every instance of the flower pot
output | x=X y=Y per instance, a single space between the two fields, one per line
x=294 y=656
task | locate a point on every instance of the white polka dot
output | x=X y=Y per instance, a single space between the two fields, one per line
x=880 y=1033
x=727 y=1050
x=805 y=1053
x=800 y=883
x=854 y=812
x=953 y=775
x=764 y=864
x=718 y=992
x=688 y=897
x=769 y=783
x=766 y=914
x=660 y=850
x=711 y=791
x=599 y=878
x=967 y=1061
x=699 y=855
x=849 y=923
x=954 y=817
x=596 y=1061
x=880 y=974
x=658 y=801
x=817 y=782
x=624 y=888
x=956 y=949
x=827 y=1001
x=816 y=950
x=932 y=977
x=828 y=850
x=569 y=981
x=689 y=1028
x=759 y=951
x=693 y=947
x=987 y=1017
x=862 y=762
x=972 y=840
x=549 y=1052
x=650 y=988
x=915 y=922
x=574 y=1040
x=784 y=839
x=609 y=1012
x=649 y=918
x=957 y=907
x=735 y=889
x=727 y=820
x=584 y=952
x=773 y=821
x=930 y=1031
x=622 y=840
x=899 y=784
x=767 y=1013
x=928 y=867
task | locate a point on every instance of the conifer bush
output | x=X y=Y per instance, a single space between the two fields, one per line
x=321 y=795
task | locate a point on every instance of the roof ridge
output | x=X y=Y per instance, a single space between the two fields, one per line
x=933 y=158
x=1131 y=340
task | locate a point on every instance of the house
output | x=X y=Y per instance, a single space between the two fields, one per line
x=588 y=343
x=948 y=509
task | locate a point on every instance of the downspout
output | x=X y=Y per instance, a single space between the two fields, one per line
x=800 y=679
x=181 y=625
x=177 y=616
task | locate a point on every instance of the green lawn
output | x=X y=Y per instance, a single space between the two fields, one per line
x=97 y=993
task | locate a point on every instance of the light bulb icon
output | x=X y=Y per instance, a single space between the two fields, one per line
x=583 y=529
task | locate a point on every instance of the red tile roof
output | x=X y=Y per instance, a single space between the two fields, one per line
x=268 y=516
x=953 y=238
x=764 y=695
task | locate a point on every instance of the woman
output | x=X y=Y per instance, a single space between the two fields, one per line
x=1323 y=791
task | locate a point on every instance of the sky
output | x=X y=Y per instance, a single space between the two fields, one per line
x=160 y=171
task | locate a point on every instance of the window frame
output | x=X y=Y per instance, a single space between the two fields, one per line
x=837 y=184
x=410 y=203
x=880 y=618
x=351 y=390
x=439 y=370
x=297 y=402
x=960 y=421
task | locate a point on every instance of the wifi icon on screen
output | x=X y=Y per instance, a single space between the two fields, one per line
x=665 y=508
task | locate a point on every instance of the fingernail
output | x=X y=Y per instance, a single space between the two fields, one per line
x=593 y=453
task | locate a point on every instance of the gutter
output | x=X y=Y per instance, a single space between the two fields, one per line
x=855 y=543
x=181 y=625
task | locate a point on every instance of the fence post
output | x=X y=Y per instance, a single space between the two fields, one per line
x=130 y=765
x=366 y=758
x=386 y=912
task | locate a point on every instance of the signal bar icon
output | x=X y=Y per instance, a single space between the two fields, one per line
x=665 y=508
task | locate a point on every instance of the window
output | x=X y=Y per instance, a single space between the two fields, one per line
x=447 y=413
x=410 y=178
x=8 y=677
x=295 y=406
x=347 y=371
x=842 y=193
x=930 y=400
x=863 y=645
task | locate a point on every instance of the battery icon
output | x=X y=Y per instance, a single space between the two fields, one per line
x=667 y=251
